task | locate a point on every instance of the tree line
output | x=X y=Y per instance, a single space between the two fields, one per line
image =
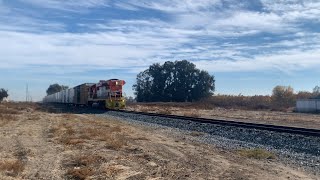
x=178 y=81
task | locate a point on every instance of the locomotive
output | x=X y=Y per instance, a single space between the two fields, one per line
x=106 y=93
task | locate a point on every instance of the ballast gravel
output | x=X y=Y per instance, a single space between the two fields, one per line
x=298 y=150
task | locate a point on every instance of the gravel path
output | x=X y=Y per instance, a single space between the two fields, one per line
x=300 y=151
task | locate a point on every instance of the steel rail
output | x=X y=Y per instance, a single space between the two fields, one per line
x=268 y=127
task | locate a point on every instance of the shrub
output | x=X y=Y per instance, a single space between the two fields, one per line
x=283 y=97
x=257 y=154
x=240 y=101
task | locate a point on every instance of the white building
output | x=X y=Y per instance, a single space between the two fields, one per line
x=308 y=105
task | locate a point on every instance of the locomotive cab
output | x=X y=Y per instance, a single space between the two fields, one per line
x=108 y=94
x=115 y=99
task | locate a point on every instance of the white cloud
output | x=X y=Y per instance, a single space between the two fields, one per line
x=177 y=6
x=69 y=5
x=294 y=10
x=205 y=31
x=286 y=61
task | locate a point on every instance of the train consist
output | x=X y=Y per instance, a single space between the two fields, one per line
x=107 y=94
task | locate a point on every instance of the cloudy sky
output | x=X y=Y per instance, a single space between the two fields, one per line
x=249 y=45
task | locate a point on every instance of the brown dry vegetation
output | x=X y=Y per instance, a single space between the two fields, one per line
x=257 y=153
x=8 y=113
x=234 y=114
x=41 y=145
x=11 y=167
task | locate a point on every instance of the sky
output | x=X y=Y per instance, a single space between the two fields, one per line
x=250 y=46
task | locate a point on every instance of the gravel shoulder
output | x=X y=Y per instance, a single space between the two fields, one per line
x=39 y=145
x=265 y=117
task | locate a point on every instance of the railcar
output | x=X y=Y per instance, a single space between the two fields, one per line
x=106 y=93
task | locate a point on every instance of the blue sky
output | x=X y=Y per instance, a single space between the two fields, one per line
x=249 y=45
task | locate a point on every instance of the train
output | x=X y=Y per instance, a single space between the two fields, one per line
x=106 y=94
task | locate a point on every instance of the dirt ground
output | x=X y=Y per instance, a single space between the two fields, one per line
x=40 y=145
x=265 y=117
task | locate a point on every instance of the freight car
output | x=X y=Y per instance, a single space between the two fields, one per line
x=106 y=93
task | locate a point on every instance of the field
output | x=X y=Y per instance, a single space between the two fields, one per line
x=288 y=118
x=36 y=144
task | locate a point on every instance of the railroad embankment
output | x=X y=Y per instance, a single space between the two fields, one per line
x=255 y=116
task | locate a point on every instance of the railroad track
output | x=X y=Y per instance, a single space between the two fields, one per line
x=268 y=127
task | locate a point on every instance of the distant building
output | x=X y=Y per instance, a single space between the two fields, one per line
x=308 y=105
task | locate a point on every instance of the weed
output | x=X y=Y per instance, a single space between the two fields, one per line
x=80 y=173
x=6 y=118
x=70 y=131
x=165 y=111
x=12 y=167
x=115 y=129
x=69 y=117
x=192 y=114
x=116 y=141
x=257 y=154
x=71 y=141
x=113 y=170
x=33 y=117
x=6 y=110
x=84 y=160
x=141 y=139
x=196 y=133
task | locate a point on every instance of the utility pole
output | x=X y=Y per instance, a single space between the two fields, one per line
x=27 y=93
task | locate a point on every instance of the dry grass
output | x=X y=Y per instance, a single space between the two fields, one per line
x=113 y=170
x=165 y=111
x=83 y=166
x=116 y=141
x=74 y=130
x=112 y=136
x=196 y=133
x=21 y=106
x=256 y=154
x=257 y=102
x=6 y=118
x=80 y=173
x=87 y=131
x=87 y=160
x=33 y=117
x=12 y=167
x=5 y=110
x=71 y=141
x=192 y=114
x=69 y=116
x=145 y=109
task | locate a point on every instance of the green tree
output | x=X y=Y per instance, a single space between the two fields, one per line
x=283 y=96
x=143 y=87
x=54 y=88
x=316 y=92
x=177 y=81
x=3 y=94
x=304 y=95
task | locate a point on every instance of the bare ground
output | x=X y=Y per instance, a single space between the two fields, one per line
x=262 y=116
x=39 y=145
